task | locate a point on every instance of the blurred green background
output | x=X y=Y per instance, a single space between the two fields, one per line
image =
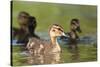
x=49 y=13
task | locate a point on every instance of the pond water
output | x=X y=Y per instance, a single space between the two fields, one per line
x=53 y=58
x=82 y=53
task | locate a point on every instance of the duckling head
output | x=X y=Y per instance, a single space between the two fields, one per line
x=56 y=30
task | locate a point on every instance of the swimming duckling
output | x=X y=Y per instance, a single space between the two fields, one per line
x=44 y=48
x=75 y=27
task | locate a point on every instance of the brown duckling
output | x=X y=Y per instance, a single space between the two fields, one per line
x=44 y=48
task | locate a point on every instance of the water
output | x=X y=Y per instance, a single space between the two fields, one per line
x=88 y=39
x=53 y=58
x=69 y=55
x=66 y=41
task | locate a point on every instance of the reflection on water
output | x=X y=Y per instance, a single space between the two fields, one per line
x=74 y=53
x=84 y=52
x=52 y=58
x=38 y=59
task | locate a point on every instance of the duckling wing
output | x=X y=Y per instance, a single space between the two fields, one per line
x=38 y=45
x=31 y=43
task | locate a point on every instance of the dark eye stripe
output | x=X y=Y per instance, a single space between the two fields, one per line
x=60 y=29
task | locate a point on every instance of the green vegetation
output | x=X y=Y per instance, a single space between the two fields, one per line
x=47 y=14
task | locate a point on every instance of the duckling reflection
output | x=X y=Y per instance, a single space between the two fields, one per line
x=43 y=52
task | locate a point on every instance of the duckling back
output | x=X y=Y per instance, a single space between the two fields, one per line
x=43 y=49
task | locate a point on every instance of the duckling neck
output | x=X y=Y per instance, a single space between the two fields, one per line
x=74 y=31
x=55 y=44
x=53 y=40
x=74 y=34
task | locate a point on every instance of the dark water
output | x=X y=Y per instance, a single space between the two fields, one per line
x=87 y=39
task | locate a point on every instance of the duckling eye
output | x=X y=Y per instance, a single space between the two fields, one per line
x=53 y=30
x=60 y=29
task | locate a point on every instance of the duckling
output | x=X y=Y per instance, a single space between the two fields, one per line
x=44 y=48
x=27 y=25
x=75 y=27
